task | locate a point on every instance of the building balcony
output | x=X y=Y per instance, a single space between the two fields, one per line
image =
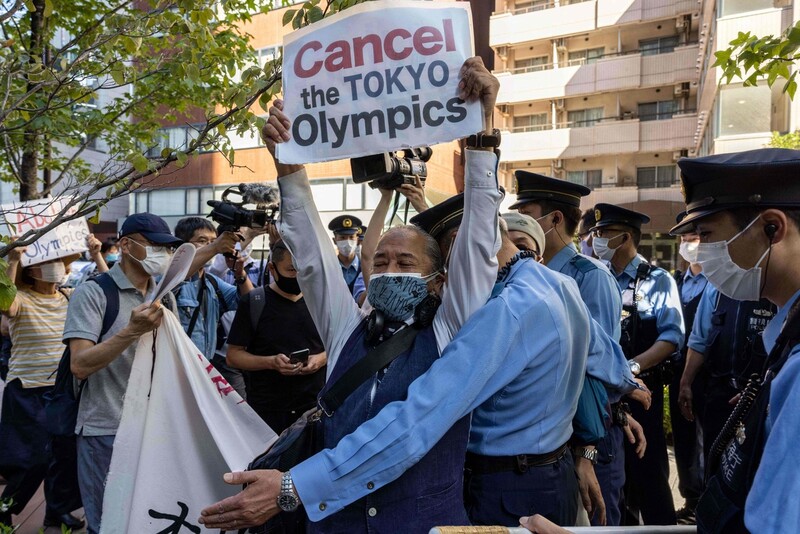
x=603 y=138
x=630 y=194
x=766 y=22
x=617 y=72
x=510 y=28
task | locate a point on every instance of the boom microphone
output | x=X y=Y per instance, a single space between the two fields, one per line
x=264 y=195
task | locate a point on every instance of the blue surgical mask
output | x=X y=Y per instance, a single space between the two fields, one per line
x=112 y=257
x=397 y=295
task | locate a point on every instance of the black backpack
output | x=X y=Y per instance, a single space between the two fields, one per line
x=61 y=403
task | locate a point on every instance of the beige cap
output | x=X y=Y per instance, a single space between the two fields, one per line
x=526 y=224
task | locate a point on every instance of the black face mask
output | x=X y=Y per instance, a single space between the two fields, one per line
x=286 y=284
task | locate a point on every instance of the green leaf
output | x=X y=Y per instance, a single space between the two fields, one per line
x=48 y=8
x=8 y=291
x=288 y=15
x=139 y=162
x=315 y=14
x=182 y=159
x=95 y=219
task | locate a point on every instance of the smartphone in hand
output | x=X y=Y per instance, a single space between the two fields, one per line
x=299 y=356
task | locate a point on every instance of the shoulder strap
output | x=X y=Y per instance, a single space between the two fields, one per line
x=223 y=306
x=111 y=292
x=63 y=293
x=583 y=264
x=376 y=359
x=258 y=298
x=200 y=302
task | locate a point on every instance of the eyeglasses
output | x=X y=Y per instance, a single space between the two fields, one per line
x=154 y=248
x=201 y=241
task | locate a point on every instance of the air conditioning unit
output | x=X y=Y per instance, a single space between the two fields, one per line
x=502 y=51
x=678 y=154
x=681 y=90
x=503 y=108
x=561 y=45
x=684 y=22
x=558 y=164
x=559 y=104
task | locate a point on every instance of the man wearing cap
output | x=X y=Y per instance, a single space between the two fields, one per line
x=652 y=330
x=745 y=208
x=556 y=205
x=105 y=361
x=346 y=229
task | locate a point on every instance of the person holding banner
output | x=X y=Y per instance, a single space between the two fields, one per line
x=30 y=454
x=407 y=262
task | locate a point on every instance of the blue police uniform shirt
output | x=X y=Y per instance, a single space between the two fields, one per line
x=204 y=335
x=772 y=506
x=698 y=338
x=540 y=353
x=660 y=299
x=353 y=273
x=693 y=285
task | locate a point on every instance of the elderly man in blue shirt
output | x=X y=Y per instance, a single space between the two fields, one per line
x=652 y=331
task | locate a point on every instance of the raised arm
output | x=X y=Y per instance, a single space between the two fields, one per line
x=327 y=296
x=373 y=235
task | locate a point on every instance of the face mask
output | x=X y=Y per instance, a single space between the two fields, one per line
x=688 y=251
x=601 y=248
x=540 y=224
x=156 y=263
x=398 y=294
x=346 y=247
x=586 y=248
x=287 y=285
x=730 y=279
x=52 y=272
x=112 y=257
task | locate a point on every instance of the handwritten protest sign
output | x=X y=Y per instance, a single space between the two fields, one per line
x=377 y=77
x=66 y=239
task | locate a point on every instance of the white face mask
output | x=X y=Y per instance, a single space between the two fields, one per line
x=52 y=272
x=688 y=251
x=552 y=227
x=586 y=248
x=156 y=262
x=346 y=247
x=720 y=270
x=601 y=248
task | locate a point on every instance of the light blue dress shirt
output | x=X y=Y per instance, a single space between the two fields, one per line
x=693 y=285
x=698 y=338
x=204 y=335
x=521 y=381
x=353 y=272
x=772 y=506
x=660 y=299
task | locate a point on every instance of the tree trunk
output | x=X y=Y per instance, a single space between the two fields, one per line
x=29 y=166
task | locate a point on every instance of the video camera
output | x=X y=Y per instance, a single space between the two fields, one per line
x=388 y=171
x=229 y=213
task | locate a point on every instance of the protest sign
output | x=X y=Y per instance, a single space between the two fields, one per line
x=64 y=240
x=377 y=77
x=180 y=431
x=176 y=273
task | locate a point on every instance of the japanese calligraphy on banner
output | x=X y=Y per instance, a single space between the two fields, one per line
x=378 y=77
x=180 y=431
x=65 y=239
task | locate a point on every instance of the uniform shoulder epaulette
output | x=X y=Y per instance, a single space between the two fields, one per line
x=583 y=264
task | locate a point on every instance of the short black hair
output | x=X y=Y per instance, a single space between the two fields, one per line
x=187 y=226
x=744 y=216
x=108 y=244
x=278 y=252
x=572 y=215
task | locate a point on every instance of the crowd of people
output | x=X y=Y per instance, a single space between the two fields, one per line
x=528 y=385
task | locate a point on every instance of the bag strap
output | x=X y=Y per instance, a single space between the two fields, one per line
x=200 y=301
x=223 y=306
x=258 y=298
x=376 y=359
x=111 y=293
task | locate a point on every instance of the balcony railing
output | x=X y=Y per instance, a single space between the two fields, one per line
x=540 y=7
x=586 y=123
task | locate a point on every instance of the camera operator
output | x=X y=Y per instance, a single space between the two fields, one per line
x=232 y=267
x=279 y=388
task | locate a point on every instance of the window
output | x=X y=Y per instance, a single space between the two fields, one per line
x=657 y=111
x=341 y=194
x=531 y=123
x=582 y=57
x=734 y=7
x=584 y=117
x=652 y=177
x=661 y=45
x=532 y=5
x=531 y=64
x=175 y=137
x=166 y=202
x=591 y=179
x=744 y=110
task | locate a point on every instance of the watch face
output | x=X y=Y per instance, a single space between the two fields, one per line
x=287 y=503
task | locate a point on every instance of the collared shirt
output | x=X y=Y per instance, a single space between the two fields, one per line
x=693 y=285
x=659 y=299
x=187 y=295
x=771 y=507
x=698 y=338
x=352 y=275
x=252 y=270
x=473 y=261
x=539 y=353
x=602 y=297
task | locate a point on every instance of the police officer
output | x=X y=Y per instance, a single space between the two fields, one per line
x=686 y=433
x=555 y=204
x=346 y=229
x=746 y=209
x=652 y=330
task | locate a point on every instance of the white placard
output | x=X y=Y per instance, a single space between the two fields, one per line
x=64 y=240
x=176 y=271
x=377 y=77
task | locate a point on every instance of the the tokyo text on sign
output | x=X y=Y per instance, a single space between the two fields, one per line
x=378 y=77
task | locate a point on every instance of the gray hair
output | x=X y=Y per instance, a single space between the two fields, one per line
x=432 y=251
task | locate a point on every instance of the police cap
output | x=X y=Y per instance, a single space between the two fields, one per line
x=532 y=187
x=345 y=224
x=441 y=217
x=763 y=178
x=609 y=214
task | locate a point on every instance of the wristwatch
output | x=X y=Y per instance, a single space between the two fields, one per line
x=288 y=500
x=635 y=367
x=589 y=454
x=239 y=280
x=484 y=140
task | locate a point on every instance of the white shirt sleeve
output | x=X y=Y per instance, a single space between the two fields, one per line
x=473 y=259
x=329 y=301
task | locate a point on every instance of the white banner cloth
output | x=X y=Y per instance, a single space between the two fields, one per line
x=176 y=439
